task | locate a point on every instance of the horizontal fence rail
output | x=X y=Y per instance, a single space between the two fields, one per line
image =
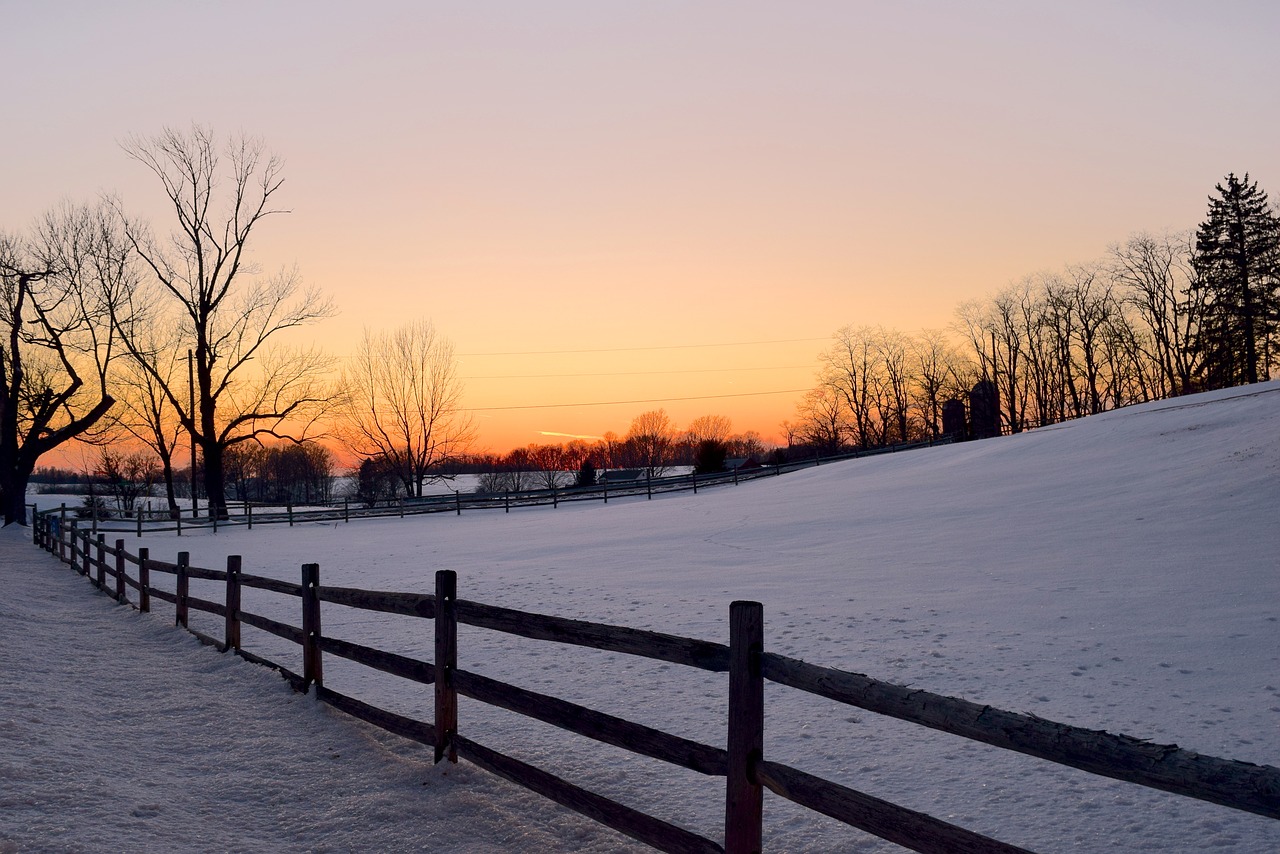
x=1238 y=785
x=248 y=514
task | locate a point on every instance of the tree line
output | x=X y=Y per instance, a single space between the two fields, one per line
x=1159 y=316
x=120 y=333
x=653 y=444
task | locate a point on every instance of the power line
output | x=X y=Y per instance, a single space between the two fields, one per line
x=641 y=349
x=632 y=402
x=632 y=373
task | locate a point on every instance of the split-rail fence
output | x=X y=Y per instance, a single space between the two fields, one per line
x=1230 y=783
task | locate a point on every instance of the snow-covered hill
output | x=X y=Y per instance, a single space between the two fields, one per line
x=1118 y=572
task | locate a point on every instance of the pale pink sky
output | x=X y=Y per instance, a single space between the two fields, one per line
x=597 y=175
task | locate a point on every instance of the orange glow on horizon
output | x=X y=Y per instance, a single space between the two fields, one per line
x=602 y=178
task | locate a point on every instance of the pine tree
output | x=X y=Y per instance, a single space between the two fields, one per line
x=1237 y=266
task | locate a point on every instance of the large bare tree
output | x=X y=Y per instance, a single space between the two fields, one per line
x=205 y=284
x=402 y=403
x=58 y=289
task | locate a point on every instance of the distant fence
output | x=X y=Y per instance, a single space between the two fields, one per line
x=248 y=514
x=1238 y=785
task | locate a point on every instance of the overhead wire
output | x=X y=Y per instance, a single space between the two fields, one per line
x=632 y=373
x=632 y=402
x=642 y=349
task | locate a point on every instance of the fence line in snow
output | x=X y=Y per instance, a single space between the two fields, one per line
x=251 y=513
x=1238 y=785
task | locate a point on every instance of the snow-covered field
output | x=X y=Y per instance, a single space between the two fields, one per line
x=1118 y=572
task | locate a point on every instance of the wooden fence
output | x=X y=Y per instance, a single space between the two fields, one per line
x=248 y=514
x=1238 y=785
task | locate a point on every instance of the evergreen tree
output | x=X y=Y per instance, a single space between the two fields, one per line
x=710 y=457
x=1237 y=266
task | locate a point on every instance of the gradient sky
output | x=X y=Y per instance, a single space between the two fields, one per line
x=609 y=178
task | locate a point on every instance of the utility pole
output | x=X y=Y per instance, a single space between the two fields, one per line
x=191 y=407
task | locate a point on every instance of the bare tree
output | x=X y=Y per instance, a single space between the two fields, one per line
x=652 y=436
x=848 y=372
x=403 y=403
x=57 y=291
x=747 y=444
x=938 y=371
x=996 y=330
x=820 y=420
x=1156 y=275
x=715 y=428
x=892 y=382
x=206 y=286
x=147 y=415
x=1095 y=309
x=549 y=466
x=127 y=475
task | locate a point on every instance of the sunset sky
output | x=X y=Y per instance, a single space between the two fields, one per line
x=646 y=204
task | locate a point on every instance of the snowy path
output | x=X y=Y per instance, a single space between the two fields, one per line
x=121 y=733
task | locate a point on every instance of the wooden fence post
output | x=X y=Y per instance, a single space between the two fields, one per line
x=744 y=798
x=289 y=508
x=102 y=558
x=62 y=534
x=648 y=484
x=144 y=580
x=183 y=585
x=120 y=593
x=70 y=536
x=695 y=483
x=139 y=520
x=312 y=666
x=401 y=508
x=446 y=653
x=248 y=512
x=457 y=499
x=506 y=500
x=233 y=603
x=179 y=523
x=346 y=510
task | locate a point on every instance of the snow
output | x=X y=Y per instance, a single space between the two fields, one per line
x=1117 y=573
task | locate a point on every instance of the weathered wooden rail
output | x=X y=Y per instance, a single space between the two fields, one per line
x=1238 y=785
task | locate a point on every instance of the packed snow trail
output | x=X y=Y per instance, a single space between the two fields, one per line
x=119 y=732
